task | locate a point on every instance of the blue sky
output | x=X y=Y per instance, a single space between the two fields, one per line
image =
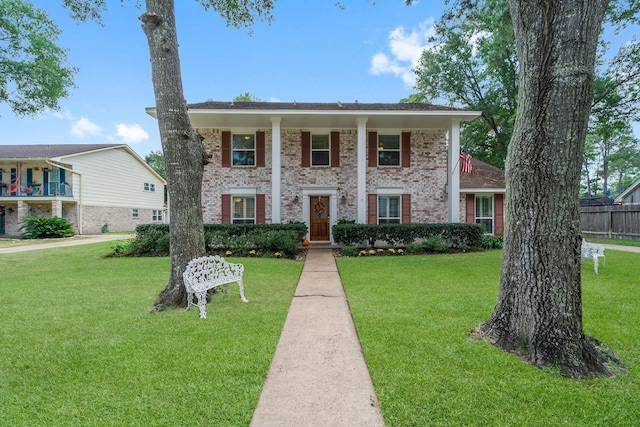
x=314 y=51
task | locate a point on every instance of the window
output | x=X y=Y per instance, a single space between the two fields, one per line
x=484 y=213
x=134 y=213
x=388 y=209
x=320 y=150
x=149 y=187
x=156 y=215
x=388 y=150
x=243 y=150
x=243 y=210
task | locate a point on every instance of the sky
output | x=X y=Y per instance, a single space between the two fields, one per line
x=314 y=51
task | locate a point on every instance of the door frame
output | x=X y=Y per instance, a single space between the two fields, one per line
x=332 y=193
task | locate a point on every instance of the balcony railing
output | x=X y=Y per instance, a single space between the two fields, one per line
x=49 y=189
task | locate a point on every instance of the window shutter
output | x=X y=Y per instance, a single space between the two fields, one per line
x=306 y=149
x=260 y=143
x=406 y=149
x=372 y=209
x=373 y=150
x=335 y=149
x=260 y=209
x=226 y=208
x=226 y=149
x=470 y=216
x=406 y=208
x=498 y=213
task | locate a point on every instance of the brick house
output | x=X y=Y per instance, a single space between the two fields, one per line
x=89 y=185
x=482 y=197
x=277 y=162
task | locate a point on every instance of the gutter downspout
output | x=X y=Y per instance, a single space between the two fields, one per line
x=79 y=190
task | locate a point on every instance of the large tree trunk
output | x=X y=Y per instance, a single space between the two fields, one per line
x=539 y=311
x=182 y=148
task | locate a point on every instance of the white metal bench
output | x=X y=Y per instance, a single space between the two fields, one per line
x=592 y=251
x=206 y=273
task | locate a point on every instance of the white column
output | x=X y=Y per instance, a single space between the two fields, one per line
x=276 y=192
x=453 y=185
x=361 y=192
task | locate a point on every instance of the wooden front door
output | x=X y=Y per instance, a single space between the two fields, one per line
x=319 y=208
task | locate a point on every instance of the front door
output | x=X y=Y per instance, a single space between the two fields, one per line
x=319 y=217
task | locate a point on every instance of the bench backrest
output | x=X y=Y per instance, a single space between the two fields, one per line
x=206 y=272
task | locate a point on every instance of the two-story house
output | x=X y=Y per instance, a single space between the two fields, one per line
x=277 y=162
x=90 y=185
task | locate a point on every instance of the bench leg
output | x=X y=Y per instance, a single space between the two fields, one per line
x=241 y=286
x=595 y=263
x=189 y=300
x=202 y=303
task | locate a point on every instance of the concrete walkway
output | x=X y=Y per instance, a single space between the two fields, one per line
x=318 y=376
x=58 y=243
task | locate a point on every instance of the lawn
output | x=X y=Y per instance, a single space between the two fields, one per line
x=79 y=346
x=414 y=314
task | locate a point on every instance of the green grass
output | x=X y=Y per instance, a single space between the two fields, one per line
x=414 y=314
x=79 y=346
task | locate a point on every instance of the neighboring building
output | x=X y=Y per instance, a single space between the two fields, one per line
x=630 y=195
x=482 y=197
x=90 y=185
x=319 y=162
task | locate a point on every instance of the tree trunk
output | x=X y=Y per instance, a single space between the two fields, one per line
x=182 y=148
x=539 y=310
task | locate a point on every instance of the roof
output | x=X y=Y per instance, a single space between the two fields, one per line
x=633 y=187
x=484 y=177
x=49 y=151
x=334 y=115
x=320 y=106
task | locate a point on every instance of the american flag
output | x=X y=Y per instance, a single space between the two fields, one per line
x=465 y=161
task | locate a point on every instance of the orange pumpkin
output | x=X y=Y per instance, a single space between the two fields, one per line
x=305 y=242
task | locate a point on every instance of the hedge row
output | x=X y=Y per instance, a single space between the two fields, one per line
x=460 y=235
x=153 y=239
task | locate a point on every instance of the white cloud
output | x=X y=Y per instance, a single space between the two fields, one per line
x=84 y=127
x=131 y=133
x=405 y=50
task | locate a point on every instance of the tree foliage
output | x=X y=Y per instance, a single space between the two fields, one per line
x=33 y=73
x=155 y=159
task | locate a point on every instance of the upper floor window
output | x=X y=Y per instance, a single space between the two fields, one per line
x=484 y=213
x=243 y=210
x=389 y=210
x=320 y=150
x=388 y=150
x=243 y=150
x=149 y=187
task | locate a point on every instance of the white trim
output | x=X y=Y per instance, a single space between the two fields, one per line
x=361 y=151
x=482 y=190
x=453 y=172
x=243 y=191
x=389 y=191
x=276 y=178
x=332 y=192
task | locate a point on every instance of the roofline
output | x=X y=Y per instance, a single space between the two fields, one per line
x=462 y=114
x=483 y=190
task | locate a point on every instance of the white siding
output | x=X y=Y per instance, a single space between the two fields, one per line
x=115 y=178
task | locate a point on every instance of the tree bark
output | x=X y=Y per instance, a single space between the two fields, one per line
x=539 y=311
x=182 y=148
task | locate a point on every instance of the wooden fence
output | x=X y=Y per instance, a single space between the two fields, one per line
x=614 y=221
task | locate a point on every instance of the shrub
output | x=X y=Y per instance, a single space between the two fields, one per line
x=121 y=248
x=349 y=251
x=40 y=227
x=436 y=244
x=492 y=242
x=152 y=242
